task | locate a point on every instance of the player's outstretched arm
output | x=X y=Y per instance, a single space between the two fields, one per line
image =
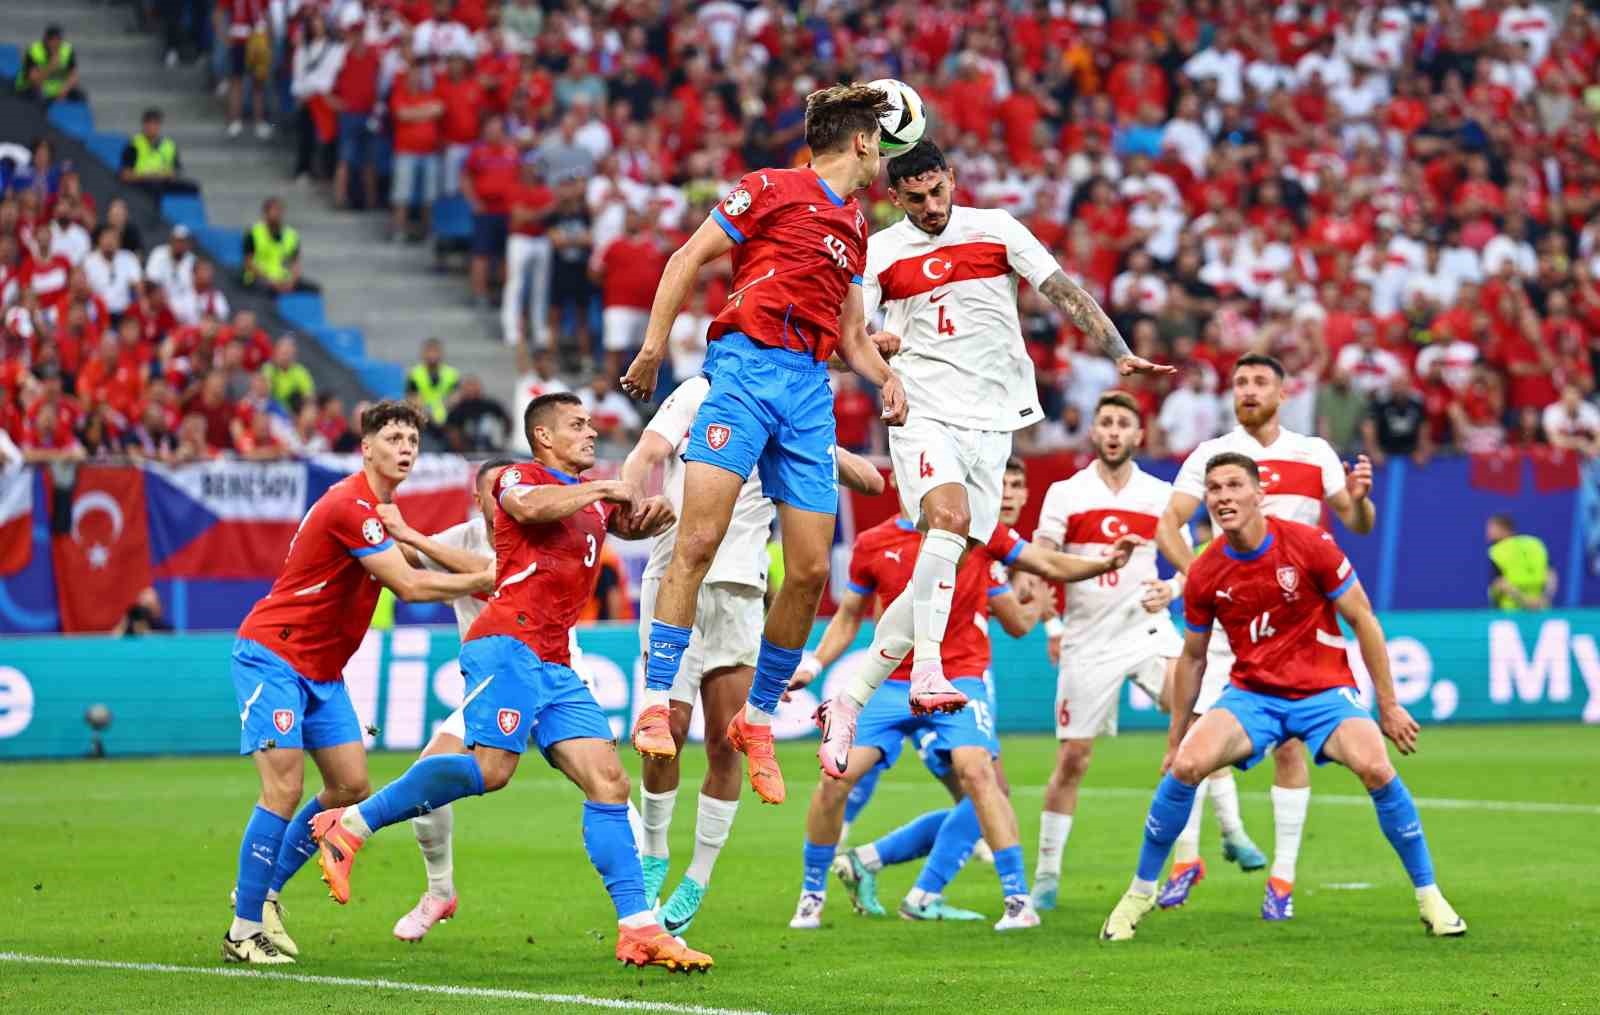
x=708 y=243
x=1186 y=679
x=1354 y=504
x=641 y=462
x=857 y=473
x=864 y=359
x=1053 y=565
x=841 y=631
x=1084 y=312
x=412 y=543
x=534 y=505
x=650 y=517
x=1169 y=531
x=414 y=586
x=1393 y=719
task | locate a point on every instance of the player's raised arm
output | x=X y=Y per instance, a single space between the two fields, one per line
x=412 y=542
x=550 y=502
x=841 y=631
x=1169 y=531
x=1352 y=603
x=1053 y=565
x=1086 y=314
x=415 y=586
x=863 y=357
x=1353 y=504
x=652 y=450
x=708 y=243
x=857 y=473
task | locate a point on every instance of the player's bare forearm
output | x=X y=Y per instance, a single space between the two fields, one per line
x=532 y=505
x=1169 y=531
x=1357 y=611
x=1086 y=314
x=857 y=473
x=641 y=462
x=857 y=349
x=450 y=557
x=1053 y=565
x=437 y=587
x=842 y=629
x=1016 y=618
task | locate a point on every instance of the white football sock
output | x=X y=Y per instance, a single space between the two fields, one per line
x=653 y=697
x=919 y=898
x=1289 y=808
x=272 y=895
x=1139 y=886
x=712 y=823
x=636 y=824
x=755 y=716
x=655 y=813
x=868 y=855
x=891 y=640
x=433 y=831
x=1187 y=847
x=242 y=929
x=352 y=822
x=1224 y=793
x=1054 y=827
x=643 y=918
x=933 y=584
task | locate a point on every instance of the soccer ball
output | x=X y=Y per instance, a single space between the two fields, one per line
x=905 y=121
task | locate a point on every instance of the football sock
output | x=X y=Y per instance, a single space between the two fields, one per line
x=933 y=585
x=1009 y=867
x=433 y=831
x=667 y=642
x=1397 y=816
x=910 y=841
x=656 y=814
x=1169 y=811
x=297 y=847
x=891 y=641
x=636 y=824
x=774 y=666
x=1224 y=794
x=430 y=782
x=1054 y=827
x=1186 y=847
x=1289 y=819
x=958 y=833
x=609 y=842
x=861 y=793
x=712 y=824
x=258 y=857
x=816 y=860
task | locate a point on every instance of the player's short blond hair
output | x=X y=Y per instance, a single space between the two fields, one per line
x=835 y=115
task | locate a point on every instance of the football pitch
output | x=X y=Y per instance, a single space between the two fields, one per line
x=127 y=865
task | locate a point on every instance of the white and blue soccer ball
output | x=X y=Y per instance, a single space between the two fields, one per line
x=903 y=125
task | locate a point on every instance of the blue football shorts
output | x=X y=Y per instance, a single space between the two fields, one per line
x=1269 y=720
x=887 y=721
x=514 y=696
x=280 y=708
x=770 y=409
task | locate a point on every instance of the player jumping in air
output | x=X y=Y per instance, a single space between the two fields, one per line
x=882 y=563
x=548 y=533
x=1298 y=475
x=1117 y=628
x=719 y=662
x=799 y=244
x=288 y=666
x=1278 y=588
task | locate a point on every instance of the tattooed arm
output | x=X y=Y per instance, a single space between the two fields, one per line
x=1084 y=312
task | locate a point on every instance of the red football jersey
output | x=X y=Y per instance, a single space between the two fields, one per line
x=882 y=560
x=544 y=572
x=800 y=248
x=1276 y=605
x=321 y=605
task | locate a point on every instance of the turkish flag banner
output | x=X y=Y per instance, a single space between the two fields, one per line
x=102 y=559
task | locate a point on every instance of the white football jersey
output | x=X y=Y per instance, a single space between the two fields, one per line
x=1298 y=472
x=952 y=299
x=470 y=536
x=742 y=558
x=1084 y=516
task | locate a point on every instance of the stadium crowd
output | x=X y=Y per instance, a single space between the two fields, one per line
x=1401 y=201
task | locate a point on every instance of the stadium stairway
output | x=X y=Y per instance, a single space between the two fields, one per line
x=379 y=300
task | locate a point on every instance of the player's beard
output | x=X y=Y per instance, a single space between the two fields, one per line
x=1122 y=455
x=1254 y=415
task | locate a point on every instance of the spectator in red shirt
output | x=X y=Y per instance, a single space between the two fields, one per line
x=463 y=97
x=48 y=436
x=210 y=403
x=254 y=342
x=1137 y=81
x=353 y=98
x=1528 y=364
x=525 y=303
x=628 y=270
x=491 y=171
x=418 y=113
x=257 y=441
x=109 y=380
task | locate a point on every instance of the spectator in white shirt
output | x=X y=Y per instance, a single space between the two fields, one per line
x=113 y=273
x=1460 y=261
x=1573 y=423
x=610 y=411
x=1324 y=67
x=1455 y=359
x=1531 y=24
x=1189 y=415
x=1187 y=136
x=1220 y=63
x=67 y=236
x=1371 y=368
x=538 y=377
x=592 y=133
x=1139 y=290
x=1267 y=73
x=171 y=265
x=1083 y=377
x=1162 y=221
x=1511 y=245
x=201 y=298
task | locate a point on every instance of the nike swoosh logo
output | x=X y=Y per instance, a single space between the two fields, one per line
x=946 y=585
x=936 y=299
x=672 y=927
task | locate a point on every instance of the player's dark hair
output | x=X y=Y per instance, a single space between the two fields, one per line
x=380 y=414
x=835 y=115
x=1122 y=400
x=1244 y=462
x=922 y=157
x=488 y=465
x=1257 y=359
x=539 y=408
x=1014 y=464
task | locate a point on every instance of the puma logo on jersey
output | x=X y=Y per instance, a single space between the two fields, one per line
x=1225 y=594
x=893 y=555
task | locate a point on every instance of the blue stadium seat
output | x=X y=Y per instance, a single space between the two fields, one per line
x=452 y=218
x=347 y=345
x=107 y=147
x=386 y=380
x=303 y=310
x=224 y=243
x=10 y=61
x=184 y=209
x=72 y=117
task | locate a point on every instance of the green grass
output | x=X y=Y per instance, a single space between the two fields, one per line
x=132 y=861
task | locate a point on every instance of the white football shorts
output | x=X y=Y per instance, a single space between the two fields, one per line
x=926 y=453
x=727 y=631
x=1088 y=691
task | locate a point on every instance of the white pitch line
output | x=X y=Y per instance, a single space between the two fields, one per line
x=350 y=981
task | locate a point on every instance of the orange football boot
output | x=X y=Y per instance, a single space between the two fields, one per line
x=652 y=946
x=755 y=743
x=336 y=852
x=652 y=733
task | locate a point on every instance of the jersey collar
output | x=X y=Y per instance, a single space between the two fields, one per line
x=835 y=199
x=905 y=526
x=569 y=480
x=1266 y=544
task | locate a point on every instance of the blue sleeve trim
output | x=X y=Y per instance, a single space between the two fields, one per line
x=855 y=279
x=1013 y=553
x=1196 y=628
x=728 y=227
x=1344 y=586
x=367 y=551
x=999 y=590
x=860 y=590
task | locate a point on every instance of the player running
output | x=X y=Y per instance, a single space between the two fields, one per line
x=1299 y=474
x=548 y=534
x=882 y=563
x=288 y=670
x=719 y=662
x=1275 y=586
x=1116 y=628
x=947 y=278
x=799 y=244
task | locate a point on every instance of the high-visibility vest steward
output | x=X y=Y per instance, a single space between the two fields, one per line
x=271 y=256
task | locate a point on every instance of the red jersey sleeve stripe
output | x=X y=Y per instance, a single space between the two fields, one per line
x=367 y=551
x=728 y=227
